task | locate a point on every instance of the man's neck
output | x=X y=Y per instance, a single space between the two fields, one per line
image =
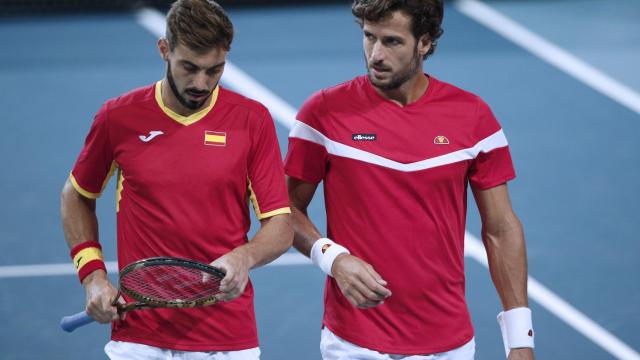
x=408 y=92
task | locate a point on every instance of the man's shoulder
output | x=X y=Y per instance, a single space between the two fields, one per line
x=337 y=97
x=346 y=90
x=131 y=98
x=449 y=92
x=232 y=98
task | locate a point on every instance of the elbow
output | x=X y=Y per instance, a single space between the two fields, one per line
x=71 y=199
x=66 y=194
x=505 y=229
x=282 y=227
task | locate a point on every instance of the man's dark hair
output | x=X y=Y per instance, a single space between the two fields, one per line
x=200 y=25
x=426 y=15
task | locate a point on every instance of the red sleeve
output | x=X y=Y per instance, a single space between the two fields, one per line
x=492 y=166
x=95 y=164
x=306 y=160
x=266 y=174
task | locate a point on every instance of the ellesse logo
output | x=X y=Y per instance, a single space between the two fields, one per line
x=441 y=140
x=363 y=137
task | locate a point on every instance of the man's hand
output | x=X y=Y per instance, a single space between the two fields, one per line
x=359 y=283
x=100 y=294
x=236 y=266
x=521 y=354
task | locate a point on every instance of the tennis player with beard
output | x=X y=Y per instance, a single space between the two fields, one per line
x=396 y=150
x=189 y=155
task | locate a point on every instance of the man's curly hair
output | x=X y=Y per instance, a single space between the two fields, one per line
x=426 y=16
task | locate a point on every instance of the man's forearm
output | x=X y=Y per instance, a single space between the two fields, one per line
x=305 y=233
x=271 y=241
x=508 y=263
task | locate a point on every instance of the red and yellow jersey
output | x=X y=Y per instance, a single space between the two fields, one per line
x=395 y=185
x=183 y=189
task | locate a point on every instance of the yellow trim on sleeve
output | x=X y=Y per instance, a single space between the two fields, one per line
x=284 y=210
x=89 y=194
x=80 y=190
x=185 y=120
x=85 y=255
x=256 y=206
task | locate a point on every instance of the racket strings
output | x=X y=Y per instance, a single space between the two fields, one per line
x=171 y=283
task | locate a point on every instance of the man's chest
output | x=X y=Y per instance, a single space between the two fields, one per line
x=156 y=151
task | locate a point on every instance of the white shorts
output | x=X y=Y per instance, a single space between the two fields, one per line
x=333 y=347
x=121 y=350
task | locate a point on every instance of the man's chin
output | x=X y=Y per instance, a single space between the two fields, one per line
x=193 y=105
x=378 y=82
x=386 y=84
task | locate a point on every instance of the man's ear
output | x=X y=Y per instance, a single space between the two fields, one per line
x=163 y=47
x=424 y=45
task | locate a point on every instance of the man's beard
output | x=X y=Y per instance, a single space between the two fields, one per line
x=399 y=79
x=189 y=104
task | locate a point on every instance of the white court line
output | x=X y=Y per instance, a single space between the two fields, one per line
x=19 y=271
x=550 y=53
x=474 y=249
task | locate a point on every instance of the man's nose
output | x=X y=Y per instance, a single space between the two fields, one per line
x=201 y=80
x=377 y=52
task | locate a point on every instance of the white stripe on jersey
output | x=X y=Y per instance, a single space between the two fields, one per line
x=303 y=131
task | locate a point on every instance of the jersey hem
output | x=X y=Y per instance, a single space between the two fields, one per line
x=493 y=184
x=189 y=347
x=399 y=350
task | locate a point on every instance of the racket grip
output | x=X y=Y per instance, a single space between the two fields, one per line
x=72 y=322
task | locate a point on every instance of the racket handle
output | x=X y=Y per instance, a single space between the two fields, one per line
x=72 y=322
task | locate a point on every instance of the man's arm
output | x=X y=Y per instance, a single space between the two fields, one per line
x=504 y=242
x=358 y=281
x=272 y=240
x=80 y=224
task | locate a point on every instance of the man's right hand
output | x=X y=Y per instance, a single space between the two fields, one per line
x=100 y=295
x=359 y=282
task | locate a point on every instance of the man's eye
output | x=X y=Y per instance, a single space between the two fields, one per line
x=213 y=71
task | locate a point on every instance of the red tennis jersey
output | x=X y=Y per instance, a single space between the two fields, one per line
x=395 y=185
x=183 y=189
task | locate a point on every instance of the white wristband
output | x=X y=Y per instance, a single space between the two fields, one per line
x=516 y=328
x=324 y=252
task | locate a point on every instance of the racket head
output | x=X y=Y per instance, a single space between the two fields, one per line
x=171 y=283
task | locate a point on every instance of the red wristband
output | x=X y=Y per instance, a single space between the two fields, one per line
x=87 y=258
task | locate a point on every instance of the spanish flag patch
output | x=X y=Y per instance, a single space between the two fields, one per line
x=215 y=138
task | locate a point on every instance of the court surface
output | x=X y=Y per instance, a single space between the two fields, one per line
x=573 y=144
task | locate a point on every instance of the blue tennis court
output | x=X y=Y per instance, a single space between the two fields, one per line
x=573 y=142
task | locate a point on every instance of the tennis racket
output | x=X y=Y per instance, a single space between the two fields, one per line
x=162 y=282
